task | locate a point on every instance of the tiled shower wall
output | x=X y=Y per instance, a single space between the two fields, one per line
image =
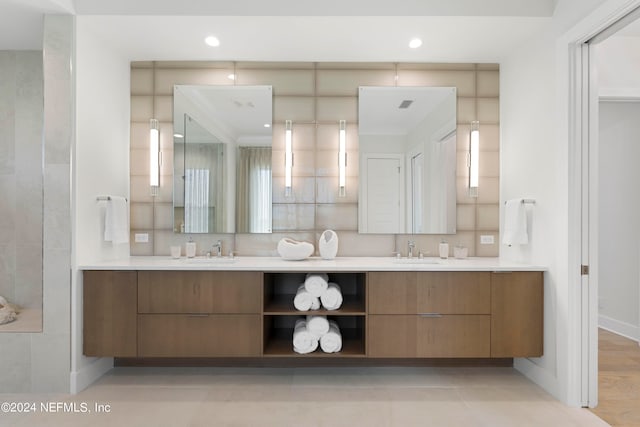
x=315 y=96
x=21 y=117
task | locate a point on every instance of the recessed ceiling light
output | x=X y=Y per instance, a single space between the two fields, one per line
x=212 y=41
x=231 y=76
x=178 y=135
x=415 y=43
x=267 y=125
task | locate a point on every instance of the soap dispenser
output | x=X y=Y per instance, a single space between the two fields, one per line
x=190 y=248
x=444 y=250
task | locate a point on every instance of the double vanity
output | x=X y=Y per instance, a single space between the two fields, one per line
x=164 y=311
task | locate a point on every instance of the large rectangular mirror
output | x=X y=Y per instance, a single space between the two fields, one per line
x=407 y=143
x=222 y=159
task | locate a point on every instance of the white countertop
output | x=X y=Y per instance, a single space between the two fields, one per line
x=313 y=264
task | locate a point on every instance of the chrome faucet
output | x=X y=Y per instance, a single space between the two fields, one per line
x=412 y=245
x=218 y=247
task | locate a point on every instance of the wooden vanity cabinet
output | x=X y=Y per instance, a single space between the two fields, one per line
x=429 y=314
x=109 y=313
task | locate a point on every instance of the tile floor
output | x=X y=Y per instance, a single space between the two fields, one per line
x=331 y=397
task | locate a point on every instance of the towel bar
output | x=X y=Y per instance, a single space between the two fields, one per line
x=532 y=201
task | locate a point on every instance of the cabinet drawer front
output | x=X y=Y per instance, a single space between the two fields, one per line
x=199 y=292
x=454 y=292
x=429 y=292
x=418 y=336
x=183 y=335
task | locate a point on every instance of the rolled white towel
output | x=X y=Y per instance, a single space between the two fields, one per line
x=332 y=298
x=331 y=342
x=317 y=325
x=303 y=341
x=316 y=283
x=304 y=301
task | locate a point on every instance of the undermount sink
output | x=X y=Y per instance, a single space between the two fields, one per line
x=210 y=260
x=416 y=261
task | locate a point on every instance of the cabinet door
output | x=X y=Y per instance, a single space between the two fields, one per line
x=199 y=292
x=517 y=314
x=109 y=313
x=428 y=336
x=429 y=292
x=215 y=335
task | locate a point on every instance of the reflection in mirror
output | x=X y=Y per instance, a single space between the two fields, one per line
x=222 y=159
x=407 y=143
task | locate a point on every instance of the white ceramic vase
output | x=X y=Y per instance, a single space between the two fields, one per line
x=328 y=244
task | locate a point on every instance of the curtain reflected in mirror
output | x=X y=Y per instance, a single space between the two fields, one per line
x=254 y=190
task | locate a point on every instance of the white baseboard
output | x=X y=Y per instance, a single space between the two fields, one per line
x=617 y=327
x=539 y=376
x=89 y=374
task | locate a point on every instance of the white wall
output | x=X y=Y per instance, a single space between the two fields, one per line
x=619 y=222
x=535 y=162
x=618 y=62
x=101 y=168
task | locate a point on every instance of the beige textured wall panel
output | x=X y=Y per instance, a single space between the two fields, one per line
x=489 y=137
x=488 y=110
x=462 y=191
x=141 y=216
x=337 y=108
x=466 y=218
x=466 y=110
x=302 y=136
x=297 y=109
x=139 y=162
x=141 y=81
x=488 y=217
x=327 y=163
x=489 y=190
x=489 y=164
x=346 y=82
x=140 y=190
x=293 y=217
x=327 y=190
x=328 y=136
x=141 y=249
x=488 y=83
x=265 y=244
x=303 y=190
x=139 y=135
x=141 y=108
x=464 y=81
x=164 y=216
x=284 y=82
x=353 y=244
x=487 y=250
x=163 y=109
x=337 y=217
x=462 y=137
x=167 y=78
x=303 y=163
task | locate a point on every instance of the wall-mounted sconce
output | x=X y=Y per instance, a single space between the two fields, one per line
x=342 y=159
x=154 y=156
x=474 y=158
x=288 y=158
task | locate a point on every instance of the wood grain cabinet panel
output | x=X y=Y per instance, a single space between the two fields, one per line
x=199 y=292
x=517 y=314
x=215 y=335
x=109 y=313
x=422 y=336
x=429 y=292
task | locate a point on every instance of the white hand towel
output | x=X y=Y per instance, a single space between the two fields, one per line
x=116 y=220
x=304 y=301
x=317 y=325
x=515 y=223
x=316 y=283
x=331 y=342
x=332 y=298
x=303 y=341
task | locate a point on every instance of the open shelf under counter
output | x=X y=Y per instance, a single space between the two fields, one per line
x=280 y=344
x=282 y=304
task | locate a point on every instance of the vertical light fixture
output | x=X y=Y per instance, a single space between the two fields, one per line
x=288 y=158
x=342 y=159
x=474 y=158
x=154 y=156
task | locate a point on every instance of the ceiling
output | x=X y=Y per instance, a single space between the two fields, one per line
x=357 y=30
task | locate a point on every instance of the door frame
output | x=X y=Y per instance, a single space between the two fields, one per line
x=582 y=132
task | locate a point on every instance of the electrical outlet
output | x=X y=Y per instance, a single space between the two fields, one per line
x=142 y=237
x=487 y=239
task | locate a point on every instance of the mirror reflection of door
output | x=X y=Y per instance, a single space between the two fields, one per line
x=417 y=193
x=382 y=207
